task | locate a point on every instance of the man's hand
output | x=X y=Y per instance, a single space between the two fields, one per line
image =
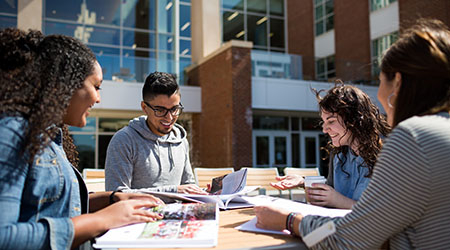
x=190 y=189
x=288 y=182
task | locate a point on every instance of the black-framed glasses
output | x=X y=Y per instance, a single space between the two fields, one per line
x=162 y=112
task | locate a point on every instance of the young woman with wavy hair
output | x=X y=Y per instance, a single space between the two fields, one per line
x=47 y=83
x=355 y=128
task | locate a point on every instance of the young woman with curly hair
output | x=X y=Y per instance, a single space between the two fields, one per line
x=406 y=203
x=47 y=83
x=355 y=127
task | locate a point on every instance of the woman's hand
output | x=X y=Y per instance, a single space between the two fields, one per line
x=288 y=182
x=271 y=217
x=325 y=195
x=191 y=189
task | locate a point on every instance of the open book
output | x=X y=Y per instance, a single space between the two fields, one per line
x=227 y=191
x=184 y=225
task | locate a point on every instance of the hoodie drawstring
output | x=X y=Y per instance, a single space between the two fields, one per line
x=172 y=164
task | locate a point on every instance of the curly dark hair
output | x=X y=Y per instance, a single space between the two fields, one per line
x=38 y=77
x=361 y=118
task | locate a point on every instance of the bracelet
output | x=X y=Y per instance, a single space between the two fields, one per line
x=111 y=197
x=290 y=223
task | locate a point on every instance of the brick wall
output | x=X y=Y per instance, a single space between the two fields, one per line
x=300 y=20
x=352 y=40
x=411 y=10
x=222 y=133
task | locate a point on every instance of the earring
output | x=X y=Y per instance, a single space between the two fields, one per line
x=389 y=100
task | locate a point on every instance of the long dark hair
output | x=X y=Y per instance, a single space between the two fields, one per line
x=361 y=118
x=40 y=89
x=422 y=57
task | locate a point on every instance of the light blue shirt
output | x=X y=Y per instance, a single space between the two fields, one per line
x=352 y=183
x=37 y=200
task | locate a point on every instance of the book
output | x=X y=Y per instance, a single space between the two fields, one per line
x=304 y=209
x=228 y=191
x=184 y=225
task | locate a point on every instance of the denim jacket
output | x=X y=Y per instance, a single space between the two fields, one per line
x=352 y=183
x=37 y=200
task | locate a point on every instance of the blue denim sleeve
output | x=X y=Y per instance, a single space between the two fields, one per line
x=46 y=233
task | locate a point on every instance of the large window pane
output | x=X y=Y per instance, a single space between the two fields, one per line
x=271 y=122
x=65 y=10
x=233 y=26
x=111 y=124
x=258 y=6
x=137 y=39
x=277 y=7
x=63 y=28
x=6 y=21
x=233 y=4
x=280 y=150
x=276 y=33
x=90 y=126
x=185 y=20
x=262 y=150
x=103 y=142
x=166 y=42
x=139 y=14
x=295 y=141
x=165 y=16
x=310 y=150
x=185 y=47
x=86 y=150
x=165 y=62
x=107 y=11
x=257 y=30
x=103 y=35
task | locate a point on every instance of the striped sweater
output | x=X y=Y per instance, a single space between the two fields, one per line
x=408 y=199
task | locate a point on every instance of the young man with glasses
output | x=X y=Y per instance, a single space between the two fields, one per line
x=152 y=152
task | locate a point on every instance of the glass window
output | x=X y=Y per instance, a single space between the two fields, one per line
x=111 y=124
x=257 y=30
x=185 y=47
x=63 y=28
x=64 y=10
x=280 y=150
x=257 y=6
x=185 y=1
x=379 y=4
x=310 y=150
x=379 y=45
x=311 y=124
x=233 y=4
x=262 y=150
x=86 y=150
x=277 y=7
x=166 y=42
x=139 y=14
x=323 y=16
x=271 y=122
x=105 y=11
x=295 y=141
x=139 y=39
x=165 y=16
x=103 y=142
x=102 y=35
x=276 y=33
x=185 y=20
x=7 y=21
x=90 y=126
x=184 y=62
x=8 y=6
x=165 y=62
x=295 y=124
x=325 y=68
x=233 y=26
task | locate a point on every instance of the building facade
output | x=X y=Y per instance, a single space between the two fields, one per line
x=246 y=66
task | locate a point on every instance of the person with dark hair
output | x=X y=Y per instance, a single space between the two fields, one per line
x=45 y=83
x=406 y=203
x=355 y=127
x=152 y=152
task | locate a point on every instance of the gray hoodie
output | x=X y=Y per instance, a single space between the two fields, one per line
x=138 y=159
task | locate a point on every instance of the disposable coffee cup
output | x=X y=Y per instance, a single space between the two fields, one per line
x=309 y=180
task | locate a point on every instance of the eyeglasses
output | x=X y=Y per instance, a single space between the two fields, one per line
x=162 y=112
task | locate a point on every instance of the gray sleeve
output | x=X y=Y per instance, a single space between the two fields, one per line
x=119 y=163
x=188 y=176
x=381 y=213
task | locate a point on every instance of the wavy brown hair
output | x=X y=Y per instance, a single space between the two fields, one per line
x=422 y=57
x=37 y=80
x=361 y=118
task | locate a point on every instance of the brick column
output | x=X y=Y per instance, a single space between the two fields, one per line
x=300 y=20
x=222 y=132
x=411 y=10
x=352 y=40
